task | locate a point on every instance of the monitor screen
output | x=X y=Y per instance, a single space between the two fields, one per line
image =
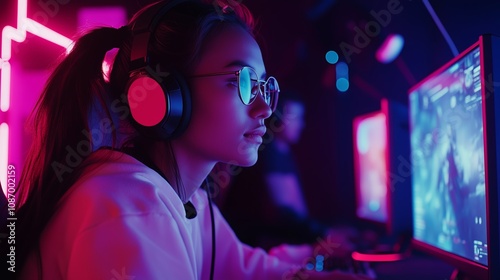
x=448 y=160
x=370 y=159
x=382 y=169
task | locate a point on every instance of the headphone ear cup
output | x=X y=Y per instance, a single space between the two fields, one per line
x=180 y=102
x=160 y=105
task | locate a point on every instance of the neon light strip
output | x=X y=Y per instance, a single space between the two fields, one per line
x=5 y=87
x=441 y=28
x=4 y=151
x=9 y=34
x=47 y=33
x=389 y=257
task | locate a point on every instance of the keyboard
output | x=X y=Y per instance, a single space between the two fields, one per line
x=344 y=263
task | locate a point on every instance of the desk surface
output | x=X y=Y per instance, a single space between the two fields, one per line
x=416 y=267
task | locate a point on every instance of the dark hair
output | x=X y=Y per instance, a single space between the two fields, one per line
x=77 y=94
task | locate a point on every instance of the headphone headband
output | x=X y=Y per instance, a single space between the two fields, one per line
x=158 y=97
x=144 y=26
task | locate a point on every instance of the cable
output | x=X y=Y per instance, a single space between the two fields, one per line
x=441 y=28
x=151 y=165
x=212 y=266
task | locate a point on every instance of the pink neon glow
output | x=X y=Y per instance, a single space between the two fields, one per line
x=18 y=34
x=370 y=149
x=390 y=48
x=5 y=87
x=114 y=16
x=376 y=257
x=4 y=151
x=107 y=63
x=9 y=34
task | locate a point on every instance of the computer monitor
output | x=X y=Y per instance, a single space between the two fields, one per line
x=453 y=126
x=383 y=171
x=370 y=160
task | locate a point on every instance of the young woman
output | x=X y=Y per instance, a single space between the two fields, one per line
x=111 y=188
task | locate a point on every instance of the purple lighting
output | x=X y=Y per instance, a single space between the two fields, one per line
x=94 y=17
x=91 y=17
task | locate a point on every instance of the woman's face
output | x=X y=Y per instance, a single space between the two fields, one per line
x=222 y=128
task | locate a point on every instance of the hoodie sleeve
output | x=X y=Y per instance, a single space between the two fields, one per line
x=235 y=260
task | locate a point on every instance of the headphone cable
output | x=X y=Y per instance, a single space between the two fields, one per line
x=212 y=266
x=150 y=164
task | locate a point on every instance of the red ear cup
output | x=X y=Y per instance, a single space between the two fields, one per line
x=159 y=99
x=147 y=102
x=160 y=107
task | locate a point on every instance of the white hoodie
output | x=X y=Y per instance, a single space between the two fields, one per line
x=122 y=220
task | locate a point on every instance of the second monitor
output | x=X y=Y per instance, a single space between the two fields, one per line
x=383 y=173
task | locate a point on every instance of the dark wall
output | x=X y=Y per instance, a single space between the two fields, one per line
x=297 y=36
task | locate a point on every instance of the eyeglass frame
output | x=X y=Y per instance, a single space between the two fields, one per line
x=260 y=83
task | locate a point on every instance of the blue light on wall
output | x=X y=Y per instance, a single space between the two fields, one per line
x=341 y=70
x=332 y=57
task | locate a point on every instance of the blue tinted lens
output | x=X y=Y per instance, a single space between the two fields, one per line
x=245 y=85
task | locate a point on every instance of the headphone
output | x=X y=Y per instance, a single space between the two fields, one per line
x=158 y=96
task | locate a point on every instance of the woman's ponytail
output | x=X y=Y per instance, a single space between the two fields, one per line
x=60 y=126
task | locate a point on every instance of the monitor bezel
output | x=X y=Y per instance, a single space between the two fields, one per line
x=491 y=109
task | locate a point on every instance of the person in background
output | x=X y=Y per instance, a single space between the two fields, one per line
x=265 y=203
